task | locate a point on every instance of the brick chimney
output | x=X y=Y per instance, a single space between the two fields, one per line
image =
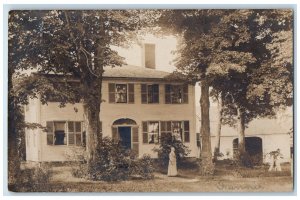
x=148 y=55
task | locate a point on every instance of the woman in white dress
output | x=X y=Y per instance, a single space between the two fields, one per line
x=172 y=168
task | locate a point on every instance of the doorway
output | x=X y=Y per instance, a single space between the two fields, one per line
x=125 y=136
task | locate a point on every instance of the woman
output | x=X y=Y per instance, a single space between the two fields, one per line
x=172 y=168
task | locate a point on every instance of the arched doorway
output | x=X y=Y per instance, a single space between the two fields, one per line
x=125 y=131
x=253 y=146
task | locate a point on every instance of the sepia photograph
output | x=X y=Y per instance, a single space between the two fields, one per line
x=150 y=100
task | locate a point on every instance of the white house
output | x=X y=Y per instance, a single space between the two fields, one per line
x=140 y=104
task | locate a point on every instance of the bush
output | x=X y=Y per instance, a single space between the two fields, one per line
x=34 y=179
x=78 y=158
x=246 y=160
x=143 y=167
x=168 y=141
x=114 y=163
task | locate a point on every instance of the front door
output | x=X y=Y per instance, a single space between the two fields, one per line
x=125 y=136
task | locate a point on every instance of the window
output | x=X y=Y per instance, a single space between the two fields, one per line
x=64 y=133
x=121 y=93
x=153 y=130
x=74 y=133
x=150 y=93
x=150 y=132
x=176 y=94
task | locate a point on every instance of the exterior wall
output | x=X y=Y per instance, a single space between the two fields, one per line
x=113 y=111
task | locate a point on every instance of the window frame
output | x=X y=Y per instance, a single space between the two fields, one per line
x=67 y=133
x=130 y=93
x=145 y=94
x=169 y=92
x=166 y=127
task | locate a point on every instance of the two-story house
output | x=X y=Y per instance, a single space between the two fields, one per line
x=139 y=106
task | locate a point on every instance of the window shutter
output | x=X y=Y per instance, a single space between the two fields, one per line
x=130 y=93
x=167 y=94
x=70 y=133
x=186 y=127
x=135 y=140
x=145 y=132
x=185 y=93
x=50 y=133
x=144 y=93
x=111 y=92
x=115 y=135
x=156 y=93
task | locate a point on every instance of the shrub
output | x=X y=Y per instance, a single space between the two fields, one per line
x=110 y=163
x=34 y=179
x=78 y=156
x=143 y=167
x=168 y=141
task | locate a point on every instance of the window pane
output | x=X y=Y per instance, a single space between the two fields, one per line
x=176 y=94
x=153 y=128
x=59 y=126
x=78 y=139
x=121 y=93
x=177 y=130
x=70 y=126
x=78 y=126
x=59 y=138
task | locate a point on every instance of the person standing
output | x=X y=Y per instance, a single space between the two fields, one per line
x=172 y=168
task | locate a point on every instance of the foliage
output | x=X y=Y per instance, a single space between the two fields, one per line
x=142 y=167
x=114 y=163
x=166 y=142
x=34 y=179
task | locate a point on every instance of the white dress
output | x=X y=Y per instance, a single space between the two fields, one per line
x=172 y=168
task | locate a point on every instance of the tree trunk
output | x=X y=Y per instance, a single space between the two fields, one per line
x=13 y=136
x=241 y=131
x=219 y=127
x=92 y=106
x=207 y=167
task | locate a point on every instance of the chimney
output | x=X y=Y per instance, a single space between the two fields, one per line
x=148 y=55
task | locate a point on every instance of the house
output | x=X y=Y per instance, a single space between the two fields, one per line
x=140 y=104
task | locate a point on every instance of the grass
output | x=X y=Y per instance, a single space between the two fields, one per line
x=227 y=178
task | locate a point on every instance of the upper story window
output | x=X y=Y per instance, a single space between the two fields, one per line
x=121 y=93
x=150 y=93
x=176 y=94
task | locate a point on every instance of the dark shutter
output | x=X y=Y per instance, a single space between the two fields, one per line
x=50 y=133
x=144 y=93
x=186 y=128
x=130 y=93
x=185 y=93
x=145 y=132
x=167 y=94
x=115 y=135
x=156 y=93
x=111 y=92
x=135 y=140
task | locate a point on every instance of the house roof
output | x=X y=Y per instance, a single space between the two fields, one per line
x=130 y=71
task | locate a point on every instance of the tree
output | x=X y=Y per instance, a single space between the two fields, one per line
x=69 y=50
x=205 y=53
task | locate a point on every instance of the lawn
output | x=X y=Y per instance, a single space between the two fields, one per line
x=227 y=178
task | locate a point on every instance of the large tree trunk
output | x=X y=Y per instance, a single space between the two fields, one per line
x=92 y=106
x=219 y=127
x=207 y=167
x=241 y=131
x=13 y=153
